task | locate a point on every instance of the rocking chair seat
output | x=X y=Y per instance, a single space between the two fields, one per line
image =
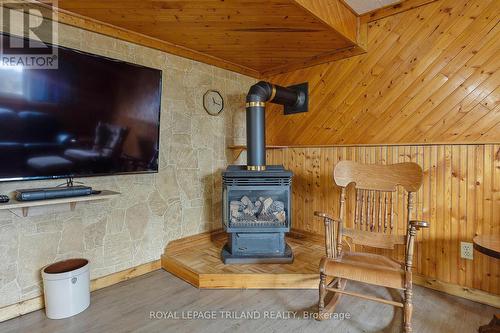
x=365 y=267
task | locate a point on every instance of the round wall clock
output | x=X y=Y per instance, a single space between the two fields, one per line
x=213 y=102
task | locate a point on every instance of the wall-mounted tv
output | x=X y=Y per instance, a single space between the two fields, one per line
x=91 y=116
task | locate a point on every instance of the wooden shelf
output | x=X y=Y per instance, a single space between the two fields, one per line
x=22 y=208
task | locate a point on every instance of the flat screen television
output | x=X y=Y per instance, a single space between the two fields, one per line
x=91 y=116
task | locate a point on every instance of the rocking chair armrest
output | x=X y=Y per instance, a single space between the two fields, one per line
x=326 y=216
x=332 y=236
x=417 y=224
x=410 y=241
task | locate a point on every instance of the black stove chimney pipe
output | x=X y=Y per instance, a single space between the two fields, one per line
x=257 y=96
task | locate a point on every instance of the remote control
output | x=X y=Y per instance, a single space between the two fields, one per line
x=4 y=198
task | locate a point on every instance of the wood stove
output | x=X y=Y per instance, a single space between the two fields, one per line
x=256 y=198
x=256 y=214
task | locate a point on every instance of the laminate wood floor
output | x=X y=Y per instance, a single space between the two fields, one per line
x=126 y=307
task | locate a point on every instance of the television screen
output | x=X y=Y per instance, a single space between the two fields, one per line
x=91 y=116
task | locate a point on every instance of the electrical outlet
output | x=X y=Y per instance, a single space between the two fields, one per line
x=466 y=250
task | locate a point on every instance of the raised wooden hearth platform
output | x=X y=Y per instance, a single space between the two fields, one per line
x=196 y=260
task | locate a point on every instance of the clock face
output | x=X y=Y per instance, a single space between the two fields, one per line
x=213 y=102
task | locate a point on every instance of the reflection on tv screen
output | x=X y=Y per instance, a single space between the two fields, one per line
x=91 y=116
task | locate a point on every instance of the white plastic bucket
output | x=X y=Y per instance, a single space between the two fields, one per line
x=66 y=287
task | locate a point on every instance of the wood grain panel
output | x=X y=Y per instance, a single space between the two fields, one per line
x=334 y=13
x=430 y=75
x=72 y=19
x=460 y=197
x=256 y=35
x=196 y=259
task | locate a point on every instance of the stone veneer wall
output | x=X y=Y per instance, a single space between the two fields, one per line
x=181 y=200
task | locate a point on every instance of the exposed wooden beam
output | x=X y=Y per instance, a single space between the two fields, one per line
x=360 y=48
x=317 y=60
x=335 y=14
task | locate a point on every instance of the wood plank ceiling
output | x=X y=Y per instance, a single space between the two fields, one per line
x=431 y=75
x=251 y=35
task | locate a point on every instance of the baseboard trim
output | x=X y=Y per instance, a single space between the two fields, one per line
x=36 y=303
x=471 y=294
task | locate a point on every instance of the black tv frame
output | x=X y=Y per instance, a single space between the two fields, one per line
x=70 y=177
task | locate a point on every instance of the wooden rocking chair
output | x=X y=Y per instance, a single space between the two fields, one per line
x=373 y=225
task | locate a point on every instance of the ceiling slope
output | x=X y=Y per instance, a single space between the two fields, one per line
x=252 y=37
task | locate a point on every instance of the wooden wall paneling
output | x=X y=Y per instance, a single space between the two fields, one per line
x=456 y=88
x=402 y=156
x=307 y=183
x=471 y=205
x=439 y=242
x=489 y=182
x=384 y=95
x=479 y=216
x=447 y=259
x=395 y=122
x=467 y=112
x=332 y=74
x=488 y=124
x=424 y=254
x=432 y=201
x=454 y=213
x=460 y=197
x=495 y=226
x=456 y=123
x=425 y=73
x=383 y=37
x=462 y=211
x=439 y=200
x=494 y=132
x=325 y=82
x=485 y=225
